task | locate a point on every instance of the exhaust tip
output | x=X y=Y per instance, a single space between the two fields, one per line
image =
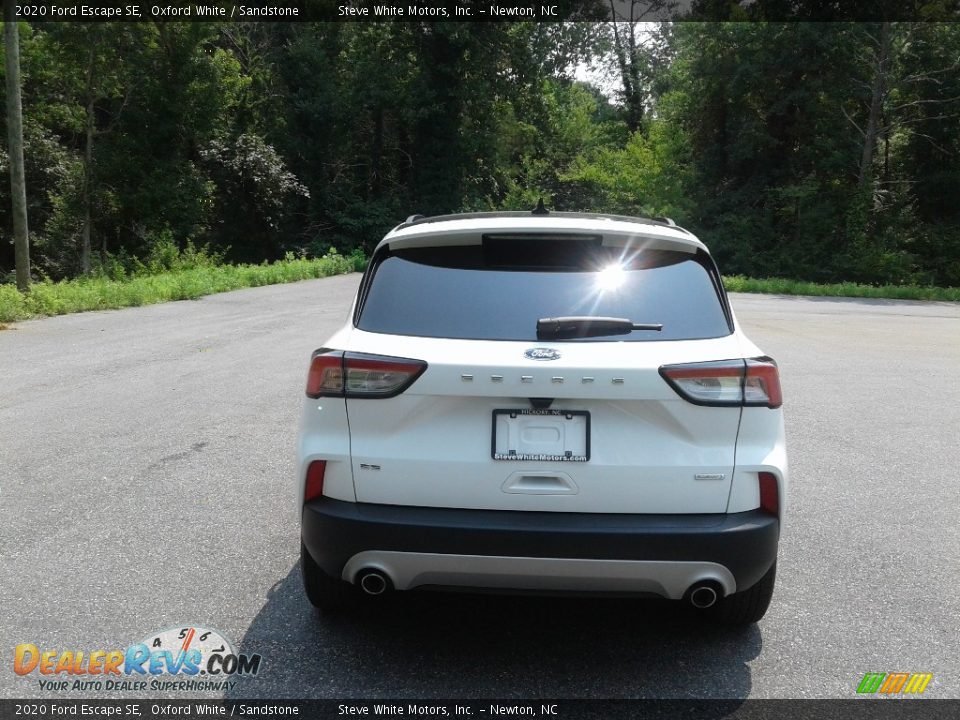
x=703 y=595
x=374 y=582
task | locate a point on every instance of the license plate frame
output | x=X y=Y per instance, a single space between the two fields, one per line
x=567 y=416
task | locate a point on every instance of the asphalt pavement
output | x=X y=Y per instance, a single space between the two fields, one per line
x=146 y=482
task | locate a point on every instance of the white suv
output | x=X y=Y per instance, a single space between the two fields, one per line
x=548 y=402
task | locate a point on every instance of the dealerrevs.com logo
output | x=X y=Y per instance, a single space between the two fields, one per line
x=190 y=658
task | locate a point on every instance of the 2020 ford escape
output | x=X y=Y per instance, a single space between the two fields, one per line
x=552 y=402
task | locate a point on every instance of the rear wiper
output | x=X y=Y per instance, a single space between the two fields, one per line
x=559 y=328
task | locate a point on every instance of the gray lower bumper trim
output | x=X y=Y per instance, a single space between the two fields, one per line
x=669 y=579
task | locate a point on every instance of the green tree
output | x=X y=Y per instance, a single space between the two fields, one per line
x=18 y=189
x=96 y=84
x=774 y=161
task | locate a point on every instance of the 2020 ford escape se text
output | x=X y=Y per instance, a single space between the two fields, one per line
x=547 y=402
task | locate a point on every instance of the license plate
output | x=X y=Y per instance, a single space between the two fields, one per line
x=541 y=435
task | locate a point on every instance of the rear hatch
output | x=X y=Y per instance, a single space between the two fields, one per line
x=502 y=417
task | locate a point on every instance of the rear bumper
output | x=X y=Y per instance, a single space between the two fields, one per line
x=422 y=546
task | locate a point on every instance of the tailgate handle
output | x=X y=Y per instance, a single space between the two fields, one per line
x=540 y=483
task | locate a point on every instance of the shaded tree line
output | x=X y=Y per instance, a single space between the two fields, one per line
x=819 y=151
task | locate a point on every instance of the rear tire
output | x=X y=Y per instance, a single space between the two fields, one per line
x=744 y=608
x=324 y=592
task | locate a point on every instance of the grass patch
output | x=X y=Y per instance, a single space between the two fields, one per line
x=739 y=283
x=70 y=296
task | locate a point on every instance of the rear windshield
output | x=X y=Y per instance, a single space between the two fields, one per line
x=499 y=290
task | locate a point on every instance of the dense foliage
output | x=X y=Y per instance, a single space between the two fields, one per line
x=822 y=152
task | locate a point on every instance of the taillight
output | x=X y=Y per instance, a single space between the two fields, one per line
x=326 y=374
x=707 y=383
x=378 y=376
x=313 y=488
x=762 y=384
x=727 y=382
x=769 y=493
x=358 y=375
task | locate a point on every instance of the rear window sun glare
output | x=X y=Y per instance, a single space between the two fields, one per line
x=499 y=289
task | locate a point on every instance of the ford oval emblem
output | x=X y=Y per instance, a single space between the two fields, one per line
x=542 y=354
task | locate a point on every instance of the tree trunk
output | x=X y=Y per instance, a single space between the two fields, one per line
x=438 y=160
x=878 y=96
x=376 y=156
x=18 y=185
x=636 y=98
x=88 y=170
x=625 y=49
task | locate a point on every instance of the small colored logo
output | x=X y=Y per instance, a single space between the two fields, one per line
x=901 y=683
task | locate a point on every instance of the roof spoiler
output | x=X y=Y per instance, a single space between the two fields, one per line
x=540 y=211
